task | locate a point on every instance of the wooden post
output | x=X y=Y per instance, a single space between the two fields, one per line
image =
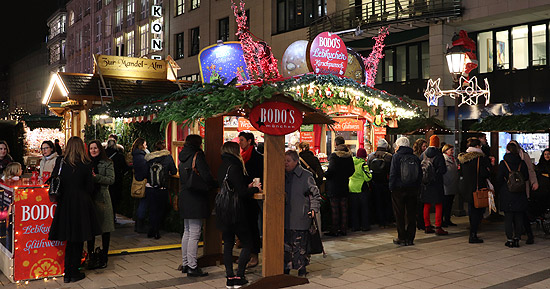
x=212 y=252
x=274 y=205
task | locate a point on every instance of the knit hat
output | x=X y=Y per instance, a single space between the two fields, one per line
x=382 y=143
x=361 y=153
x=434 y=141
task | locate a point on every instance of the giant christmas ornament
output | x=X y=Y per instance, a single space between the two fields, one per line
x=356 y=67
x=294 y=60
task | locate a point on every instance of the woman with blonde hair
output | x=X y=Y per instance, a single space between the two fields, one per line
x=13 y=171
x=234 y=223
x=75 y=219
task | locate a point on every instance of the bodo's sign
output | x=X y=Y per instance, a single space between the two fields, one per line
x=327 y=54
x=276 y=118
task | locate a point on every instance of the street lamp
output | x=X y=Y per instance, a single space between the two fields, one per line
x=456 y=59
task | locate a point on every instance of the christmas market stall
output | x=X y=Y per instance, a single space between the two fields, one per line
x=25 y=217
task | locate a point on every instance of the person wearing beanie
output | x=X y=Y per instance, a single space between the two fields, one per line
x=433 y=190
x=404 y=184
x=434 y=141
x=379 y=163
x=359 y=192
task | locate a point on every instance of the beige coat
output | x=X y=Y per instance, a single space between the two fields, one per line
x=47 y=163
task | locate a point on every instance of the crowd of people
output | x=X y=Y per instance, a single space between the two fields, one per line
x=402 y=182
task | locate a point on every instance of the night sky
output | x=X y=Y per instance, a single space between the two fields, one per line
x=24 y=27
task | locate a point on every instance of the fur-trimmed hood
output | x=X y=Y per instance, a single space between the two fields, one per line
x=466 y=157
x=156 y=154
x=343 y=154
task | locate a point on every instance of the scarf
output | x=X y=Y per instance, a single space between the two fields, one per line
x=247 y=154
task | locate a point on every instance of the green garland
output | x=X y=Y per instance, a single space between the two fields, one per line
x=533 y=122
x=207 y=100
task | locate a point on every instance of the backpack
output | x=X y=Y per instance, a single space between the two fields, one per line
x=428 y=171
x=409 y=169
x=157 y=172
x=378 y=165
x=515 y=182
x=227 y=203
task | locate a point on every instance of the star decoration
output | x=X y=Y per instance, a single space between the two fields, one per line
x=433 y=92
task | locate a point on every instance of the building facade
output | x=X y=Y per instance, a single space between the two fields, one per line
x=57 y=40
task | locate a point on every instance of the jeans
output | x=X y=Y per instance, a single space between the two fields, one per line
x=404 y=202
x=190 y=242
x=228 y=242
x=475 y=215
x=339 y=209
x=359 y=205
x=157 y=201
x=513 y=224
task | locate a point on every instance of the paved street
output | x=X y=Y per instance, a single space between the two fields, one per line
x=360 y=260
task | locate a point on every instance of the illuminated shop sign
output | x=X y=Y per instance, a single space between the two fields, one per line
x=156 y=27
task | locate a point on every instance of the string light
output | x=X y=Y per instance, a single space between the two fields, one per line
x=371 y=62
x=468 y=91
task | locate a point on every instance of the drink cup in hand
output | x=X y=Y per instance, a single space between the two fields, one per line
x=256 y=182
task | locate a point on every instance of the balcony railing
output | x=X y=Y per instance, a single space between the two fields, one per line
x=385 y=12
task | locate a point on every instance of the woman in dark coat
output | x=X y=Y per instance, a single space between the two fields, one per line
x=121 y=167
x=193 y=205
x=542 y=195
x=514 y=204
x=434 y=192
x=139 y=150
x=340 y=168
x=474 y=178
x=74 y=220
x=254 y=164
x=233 y=167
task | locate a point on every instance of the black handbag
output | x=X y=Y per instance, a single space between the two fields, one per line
x=315 y=245
x=55 y=183
x=194 y=180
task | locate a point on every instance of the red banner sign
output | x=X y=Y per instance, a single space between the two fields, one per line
x=327 y=54
x=348 y=124
x=275 y=118
x=35 y=256
x=308 y=136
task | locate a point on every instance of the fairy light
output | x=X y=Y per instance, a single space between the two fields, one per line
x=371 y=62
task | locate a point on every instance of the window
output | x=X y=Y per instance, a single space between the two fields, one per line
x=195 y=4
x=130 y=44
x=71 y=18
x=179 y=45
x=413 y=62
x=130 y=12
x=119 y=46
x=538 y=38
x=118 y=17
x=107 y=2
x=87 y=8
x=425 y=50
x=192 y=77
x=194 y=41
x=98 y=5
x=180 y=7
x=295 y=14
x=54 y=53
x=401 y=63
x=520 y=44
x=144 y=9
x=485 y=51
x=502 y=45
x=144 y=39
x=223 y=29
x=108 y=22
x=107 y=48
x=388 y=65
x=98 y=28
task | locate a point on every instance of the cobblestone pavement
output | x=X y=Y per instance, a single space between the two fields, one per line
x=359 y=260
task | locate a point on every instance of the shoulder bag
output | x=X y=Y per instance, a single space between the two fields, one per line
x=138 y=188
x=315 y=244
x=55 y=183
x=481 y=196
x=309 y=168
x=194 y=180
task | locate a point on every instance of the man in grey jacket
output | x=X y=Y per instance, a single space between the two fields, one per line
x=302 y=202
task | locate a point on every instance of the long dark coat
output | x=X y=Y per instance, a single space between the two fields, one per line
x=139 y=164
x=75 y=218
x=511 y=202
x=543 y=176
x=194 y=205
x=315 y=165
x=472 y=180
x=237 y=181
x=255 y=166
x=340 y=168
x=434 y=192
